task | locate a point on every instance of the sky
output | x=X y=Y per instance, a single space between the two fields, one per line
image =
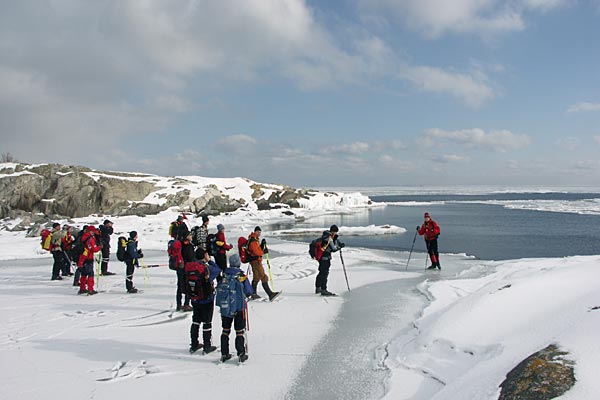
x=307 y=93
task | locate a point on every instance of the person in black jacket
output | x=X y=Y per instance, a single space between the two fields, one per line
x=189 y=255
x=330 y=243
x=132 y=255
x=106 y=229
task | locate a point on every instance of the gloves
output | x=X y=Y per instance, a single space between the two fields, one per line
x=263 y=246
x=140 y=254
x=418 y=227
x=342 y=245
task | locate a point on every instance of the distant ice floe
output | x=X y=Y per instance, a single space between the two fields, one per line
x=584 y=206
x=345 y=230
x=459 y=190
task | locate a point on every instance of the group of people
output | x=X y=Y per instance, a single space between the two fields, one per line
x=80 y=248
x=190 y=254
x=197 y=272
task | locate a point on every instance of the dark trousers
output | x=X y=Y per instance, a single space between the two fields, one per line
x=181 y=289
x=105 y=258
x=321 y=281
x=203 y=313
x=221 y=260
x=432 y=249
x=239 y=323
x=129 y=269
x=58 y=265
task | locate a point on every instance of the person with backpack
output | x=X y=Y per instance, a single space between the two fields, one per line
x=203 y=233
x=231 y=300
x=75 y=252
x=329 y=243
x=189 y=256
x=85 y=264
x=222 y=248
x=57 y=252
x=254 y=253
x=132 y=255
x=200 y=277
x=106 y=229
x=65 y=245
x=179 y=229
x=431 y=231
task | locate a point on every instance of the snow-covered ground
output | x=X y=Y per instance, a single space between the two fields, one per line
x=481 y=319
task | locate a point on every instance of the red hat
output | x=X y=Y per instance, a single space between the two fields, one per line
x=426 y=215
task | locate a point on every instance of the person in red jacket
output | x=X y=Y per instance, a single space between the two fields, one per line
x=431 y=231
x=86 y=261
x=222 y=247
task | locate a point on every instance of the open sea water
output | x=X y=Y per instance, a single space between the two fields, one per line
x=489 y=226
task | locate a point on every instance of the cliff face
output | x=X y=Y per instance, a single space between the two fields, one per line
x=42 y=192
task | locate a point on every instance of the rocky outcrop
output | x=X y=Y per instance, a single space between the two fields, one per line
x=544 y=375
x=56 y=190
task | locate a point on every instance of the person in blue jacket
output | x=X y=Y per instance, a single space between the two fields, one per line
x=132 y=255
x=236 y=316
x=202 y=308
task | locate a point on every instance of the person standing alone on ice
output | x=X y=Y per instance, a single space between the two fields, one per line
x=431 y=230
x=255 y=253
x=329 y=244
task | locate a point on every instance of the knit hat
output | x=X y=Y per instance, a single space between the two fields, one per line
x=234 y=261
x=205 y=218
x=55 y=225
x=106 y=222
x=220 y=227
x=132 y=234
x=257 y=229
x=426 y=215
x=334 y=228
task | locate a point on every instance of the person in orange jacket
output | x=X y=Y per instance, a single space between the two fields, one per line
x=86 y=261
x=255 y=253
x=431 y=230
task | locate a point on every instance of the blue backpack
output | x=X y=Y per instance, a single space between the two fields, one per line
x=230 y=294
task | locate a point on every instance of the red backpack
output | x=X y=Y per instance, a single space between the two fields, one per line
x=46 y=240
x=197 y=281
x=243 y=249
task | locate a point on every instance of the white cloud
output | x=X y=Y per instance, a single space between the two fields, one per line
x=355 y=148
x=588 y=165
x=569 y=143
x=597 y=139
x=472 y=89
x=450 y=159
x=434 y=18
x=500 y=140
x=584 y=107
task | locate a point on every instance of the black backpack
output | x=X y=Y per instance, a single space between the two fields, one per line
x=77 y=247
x=121 y=248
x=211 y=244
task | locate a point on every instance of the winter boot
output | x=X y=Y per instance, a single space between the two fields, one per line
x=326 y=292
x=209 y=349
x=317 y=290
x=243 y=357
x=91 y=292
x=225 y=357
x=132 y=290
x=431 y=267
x=82 y=291
x=254 y=288
x=194 y=347
x=269 y=292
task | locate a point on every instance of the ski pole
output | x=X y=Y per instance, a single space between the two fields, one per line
x=266 y=250
x=344 y=267
x=411 y=249
x=97 y=259
x=427 y=255
x=247 y=318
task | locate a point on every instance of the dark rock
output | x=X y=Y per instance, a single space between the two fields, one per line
x=544 y=375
